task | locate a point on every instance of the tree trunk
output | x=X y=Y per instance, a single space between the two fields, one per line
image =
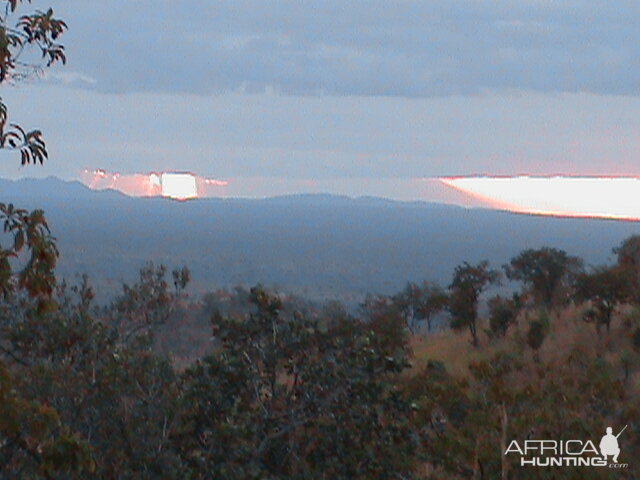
x=476 y=461
x=474 y=332
x=504 y=420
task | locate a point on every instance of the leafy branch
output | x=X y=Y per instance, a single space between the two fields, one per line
x=27 y=230
x=38 y=31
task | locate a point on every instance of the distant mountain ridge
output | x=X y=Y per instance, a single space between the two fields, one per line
x=49 y=187
x=54 y=187
x=319 y=245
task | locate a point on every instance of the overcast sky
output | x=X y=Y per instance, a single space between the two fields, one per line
x=319 y=90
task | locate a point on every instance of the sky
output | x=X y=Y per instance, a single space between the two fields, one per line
x=357 y=97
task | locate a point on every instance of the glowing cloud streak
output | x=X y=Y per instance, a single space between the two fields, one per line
x=176 y=185
x=602 y=197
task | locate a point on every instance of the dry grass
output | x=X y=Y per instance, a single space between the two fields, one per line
x=454 y=349
x=567 y=332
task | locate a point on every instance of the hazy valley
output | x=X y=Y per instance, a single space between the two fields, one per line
x=320 y=246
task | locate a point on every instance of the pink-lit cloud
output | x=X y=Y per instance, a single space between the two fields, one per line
x=178 y=185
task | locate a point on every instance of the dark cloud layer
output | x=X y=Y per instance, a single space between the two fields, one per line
x=348 y=47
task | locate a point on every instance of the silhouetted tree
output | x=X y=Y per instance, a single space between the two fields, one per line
x=469 y=281
x=628 y=260
x=148 y=303
x=420 y=303
x=545 y=272
x=628 y=252
x=605 y=289
x=502 y=314
x=537 y=334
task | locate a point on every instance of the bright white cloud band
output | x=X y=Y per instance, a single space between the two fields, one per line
x=607 y=197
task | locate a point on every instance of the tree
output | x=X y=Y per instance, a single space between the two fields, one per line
x=384 y=318
x=536 y=335
x=419 y=303
x=35 y=441
x=28 y=231
x=628 y=256
x=114 y=395
x=502 y=314
x=148 y=303
x=285 y=399
x=544 y=271
x=469 y=281
x=464 y=419
x=605 y=289
x=628 y=253
x=19 y=38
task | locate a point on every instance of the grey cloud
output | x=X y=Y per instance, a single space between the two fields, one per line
x=369 y=47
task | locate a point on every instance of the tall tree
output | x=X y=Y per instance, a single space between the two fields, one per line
x=605 y=289
x=469 y=281
x=544 y=272
x=628 y=256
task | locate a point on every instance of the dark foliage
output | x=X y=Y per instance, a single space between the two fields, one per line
x=469 y=281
